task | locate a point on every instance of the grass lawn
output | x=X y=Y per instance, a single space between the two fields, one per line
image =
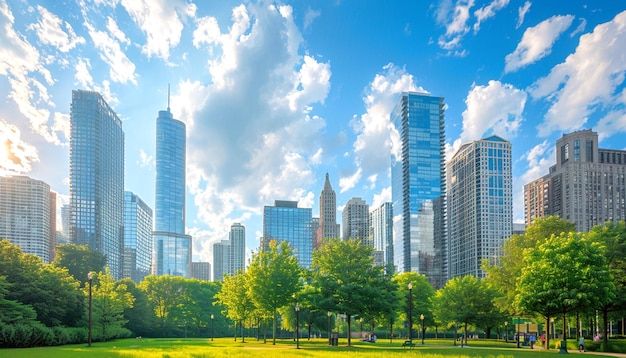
x=227 y=347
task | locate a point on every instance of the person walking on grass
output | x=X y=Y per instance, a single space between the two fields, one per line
x=581 y=344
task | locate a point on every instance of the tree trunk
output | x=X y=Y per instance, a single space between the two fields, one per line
x=547 y=343
x=309 y=337
x=274 y=329
x=349 y=334
x=235 y=331
x=464 y=338
x=243 y=332
x=605 y=329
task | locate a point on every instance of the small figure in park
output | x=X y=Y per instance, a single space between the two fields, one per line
x=581 y=344
x=532 y=341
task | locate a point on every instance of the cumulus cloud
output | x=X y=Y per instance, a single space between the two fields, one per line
x=537 y=42
x=121 y=68
x=145 y=160
x=16 y=155
x=252 y=136
x=588 y=77
x=496 y=108
x=309 y=17
x=383 y=197
x=454 y=18
x=521 y=13
x=488 y=11
x=50 y=31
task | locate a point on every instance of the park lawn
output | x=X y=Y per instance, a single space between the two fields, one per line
x=227 y=347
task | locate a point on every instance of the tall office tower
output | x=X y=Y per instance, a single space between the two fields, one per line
x=586 y=186
x=418 y=186
x=63 y=235
x=285 y=221
x=171 y=246
x=356 y=221
x=221 y=259
x=237 y=238
x=480 y=204
x=315 y=225
x=53 y=226
x=381 y=231
x=27 y=215
x=97 y=177
x=201 y=271
x=137 y=238
x=328 y=227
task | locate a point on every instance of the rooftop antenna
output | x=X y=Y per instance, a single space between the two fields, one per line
x=168 y=97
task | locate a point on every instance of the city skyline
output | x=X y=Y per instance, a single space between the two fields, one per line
x=271 y=104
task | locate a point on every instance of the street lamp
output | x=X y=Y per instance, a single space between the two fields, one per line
x=329 y=329
x=361 y=320
x=90 y=277
x=297 y=326
x=410 y=286
x=506 y=331
x=212 y=317
x=423 y=330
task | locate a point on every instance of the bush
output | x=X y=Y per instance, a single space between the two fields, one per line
x=69 y=335
x=25 y=335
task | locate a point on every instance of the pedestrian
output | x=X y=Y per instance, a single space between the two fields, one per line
x=532 y=341
x=581 y=344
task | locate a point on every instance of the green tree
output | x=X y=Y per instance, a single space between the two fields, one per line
x=164 y=294
x=235 y=300
x=79 y=260
x=562 y=274
x=273 y=279
x=421 y=298
x=141 y=318
x=109 y=300
x=345 y=279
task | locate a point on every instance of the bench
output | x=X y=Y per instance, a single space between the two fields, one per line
x=409 y=344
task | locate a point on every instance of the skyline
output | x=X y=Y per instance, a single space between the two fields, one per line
x=271 y=104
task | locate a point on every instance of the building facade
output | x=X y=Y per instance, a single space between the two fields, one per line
x=237 y=257
x=97 y=177
x=418 y=186
x=355 y=220
x=201 y=271
x=381 y=231
x=285 y=221
x=28 y=215
x=138 y=244
x=328 y=227
x=221 y=259
x=480 y=204
x=172 y=247
x=586 y=186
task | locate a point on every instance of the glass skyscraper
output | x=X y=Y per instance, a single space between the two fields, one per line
x=172 y=248
x=285 y=221
x=237 y=238
x=97 y=177
x=137 y=238
x=418 y=186
x=381 y=231
x=480 y=204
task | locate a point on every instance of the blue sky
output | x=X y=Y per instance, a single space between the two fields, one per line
x=275 y=95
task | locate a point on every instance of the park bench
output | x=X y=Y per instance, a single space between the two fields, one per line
x=408 y=344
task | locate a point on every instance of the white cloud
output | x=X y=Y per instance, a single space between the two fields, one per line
x=454 y=18
x=496 y=108
x=312 y=86
x=488 y=11
x=116 y=32
x=309 y=17
x=611 y=124
x=161 y=21
x=50 y=32
x=537 y=42
x=383 y=197
x=521 y=13
x=348 y=182
x=16 y=155
x=145 y=160
x=588 y=77
x=121 y=68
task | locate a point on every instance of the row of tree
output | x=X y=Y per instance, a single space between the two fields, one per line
x=549 y=270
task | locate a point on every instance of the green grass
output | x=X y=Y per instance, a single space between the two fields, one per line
x=227 y=347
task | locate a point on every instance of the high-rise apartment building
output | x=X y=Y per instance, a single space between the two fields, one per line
x=586 y=186
x=381 y=231
x=97 y=177
x=201 y=271
x=172 y=247
x=237 y=238
x=355 y=220
x=480 y=204
x=221 y=259
x=285 y=221
x=328 y=227
x=418 y=186
x=27 y=215
x=137 y=238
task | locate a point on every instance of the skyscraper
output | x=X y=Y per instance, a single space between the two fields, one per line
x=27 y=213
x=586 y=186
x=172 y=246
x=381 y=221
x=237 y=238
x=221 y=259
x=97 y=177
x=356 y=221
x=328 y=227
x=201 y=271
x=480 y=204
x=137 y=238
x=285 y=221
x=418 y=186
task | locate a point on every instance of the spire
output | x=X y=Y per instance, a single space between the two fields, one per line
x=168 y=97
x=327 y=184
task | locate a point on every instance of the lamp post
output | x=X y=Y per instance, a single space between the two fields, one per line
x=410 y=286
x=506 y=331
x=329 y=329
x=297 y=326
x=212 y=317
x=361 y=321
x=90 y=277
x=423 y=330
